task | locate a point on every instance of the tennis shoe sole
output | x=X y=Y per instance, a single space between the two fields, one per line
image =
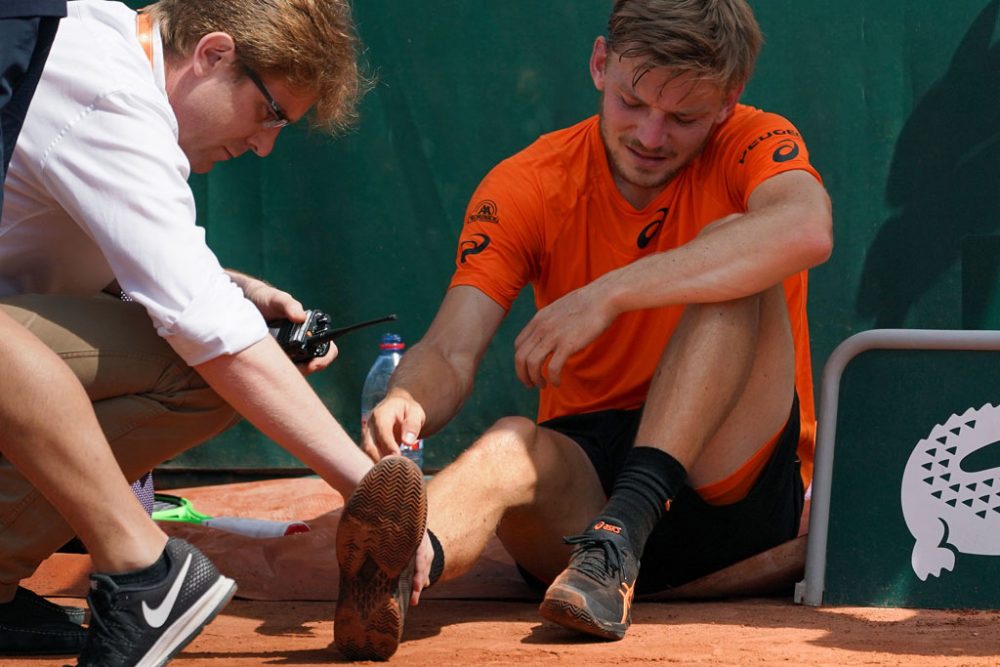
x=380 y=530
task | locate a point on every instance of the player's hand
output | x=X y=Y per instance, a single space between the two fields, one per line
x=564 y=327
x=422 y=569
x=398 y=418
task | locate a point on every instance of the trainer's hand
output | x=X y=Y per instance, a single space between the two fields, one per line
x=564 y=327
x=422 y=569
x=272 y=302
x=319 y=363
x=397 y=418
x=276 y=304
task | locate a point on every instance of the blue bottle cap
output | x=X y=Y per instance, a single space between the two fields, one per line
x=391 y=341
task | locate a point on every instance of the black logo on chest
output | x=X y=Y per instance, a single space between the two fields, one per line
x=650 y=231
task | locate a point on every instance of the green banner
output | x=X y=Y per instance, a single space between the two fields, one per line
x=895 y=99
x=915 y=502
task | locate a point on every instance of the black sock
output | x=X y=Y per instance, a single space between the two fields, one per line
x=647 y=484
x=437 y=565
x=147 y=575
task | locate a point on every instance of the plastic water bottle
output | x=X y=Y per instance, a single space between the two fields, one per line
x=377 y=383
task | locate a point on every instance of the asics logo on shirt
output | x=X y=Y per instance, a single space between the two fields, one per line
x=471 y=247
x=650 y=231
x=764 y=137
x=157 y=616
x=786 y=150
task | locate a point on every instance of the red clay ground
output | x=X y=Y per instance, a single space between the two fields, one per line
x=487 y=618
x=745 y=632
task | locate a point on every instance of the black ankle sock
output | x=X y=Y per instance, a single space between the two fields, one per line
x=437 y=565
x=147 y=575
x=649 y=480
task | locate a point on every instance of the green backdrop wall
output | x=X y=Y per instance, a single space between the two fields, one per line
x=898 y=101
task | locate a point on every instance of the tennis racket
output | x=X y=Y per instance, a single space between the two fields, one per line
x=167 y=507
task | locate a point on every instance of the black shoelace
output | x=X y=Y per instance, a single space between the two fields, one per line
x=602 y=560
x=108 y=631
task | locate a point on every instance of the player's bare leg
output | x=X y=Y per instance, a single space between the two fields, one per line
x=723 y=387
x=513 y=482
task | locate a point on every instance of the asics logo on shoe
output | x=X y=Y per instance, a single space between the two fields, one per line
x=158 y=616
x=611 y=528
x=626 y=592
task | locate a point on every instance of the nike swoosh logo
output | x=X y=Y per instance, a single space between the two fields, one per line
x=157 y=616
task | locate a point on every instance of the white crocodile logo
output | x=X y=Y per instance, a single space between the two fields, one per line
x=946 y=508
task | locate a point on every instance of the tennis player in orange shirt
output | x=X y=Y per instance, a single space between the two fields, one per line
x=666 y=240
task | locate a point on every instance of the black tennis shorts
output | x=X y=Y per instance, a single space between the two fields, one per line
x=694 y=538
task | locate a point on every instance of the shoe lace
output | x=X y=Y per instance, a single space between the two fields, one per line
x=600 y=559
x=108 y=630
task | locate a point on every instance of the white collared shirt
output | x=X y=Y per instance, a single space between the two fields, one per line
x=97 y=191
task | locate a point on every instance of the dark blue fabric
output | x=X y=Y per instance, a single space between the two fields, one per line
x=31 y=8
x=24 y=47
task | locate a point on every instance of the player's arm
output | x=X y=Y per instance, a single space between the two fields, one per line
x=436 y=376
x=787 y=228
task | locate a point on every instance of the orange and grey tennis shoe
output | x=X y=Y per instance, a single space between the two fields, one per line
x=594 y=593
x=380 y=529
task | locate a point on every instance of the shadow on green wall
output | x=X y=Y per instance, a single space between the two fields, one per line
x=943 y=180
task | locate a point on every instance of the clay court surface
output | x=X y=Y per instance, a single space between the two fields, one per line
x=284 y=612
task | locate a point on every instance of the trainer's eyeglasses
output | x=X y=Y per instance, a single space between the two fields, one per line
x=278 y=118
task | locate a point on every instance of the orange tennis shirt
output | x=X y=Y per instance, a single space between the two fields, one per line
x=552 y=216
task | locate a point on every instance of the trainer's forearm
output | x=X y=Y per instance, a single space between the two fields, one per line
x=265 y=387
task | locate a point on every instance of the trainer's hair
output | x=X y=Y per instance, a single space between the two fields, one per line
x=715 y=40
x=312 y=44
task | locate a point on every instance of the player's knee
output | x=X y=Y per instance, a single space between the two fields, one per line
x=508 y=439
x=720 y=312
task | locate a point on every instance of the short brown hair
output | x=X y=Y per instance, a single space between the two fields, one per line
x=312 y=44
x=715 y=40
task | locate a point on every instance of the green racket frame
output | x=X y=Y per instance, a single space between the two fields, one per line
x=167 y=507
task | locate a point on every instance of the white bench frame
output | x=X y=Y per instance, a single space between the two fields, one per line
x=810 y=590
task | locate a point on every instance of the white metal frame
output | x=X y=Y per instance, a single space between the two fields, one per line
x=810 y=590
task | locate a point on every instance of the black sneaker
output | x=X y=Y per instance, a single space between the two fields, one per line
x=144 y=626
x=380 y=529
x=594 y=593
x=31 y=625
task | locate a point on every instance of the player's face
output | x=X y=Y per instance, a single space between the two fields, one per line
x=654 y=127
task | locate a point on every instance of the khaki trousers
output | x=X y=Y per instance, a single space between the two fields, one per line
x=150 y=404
